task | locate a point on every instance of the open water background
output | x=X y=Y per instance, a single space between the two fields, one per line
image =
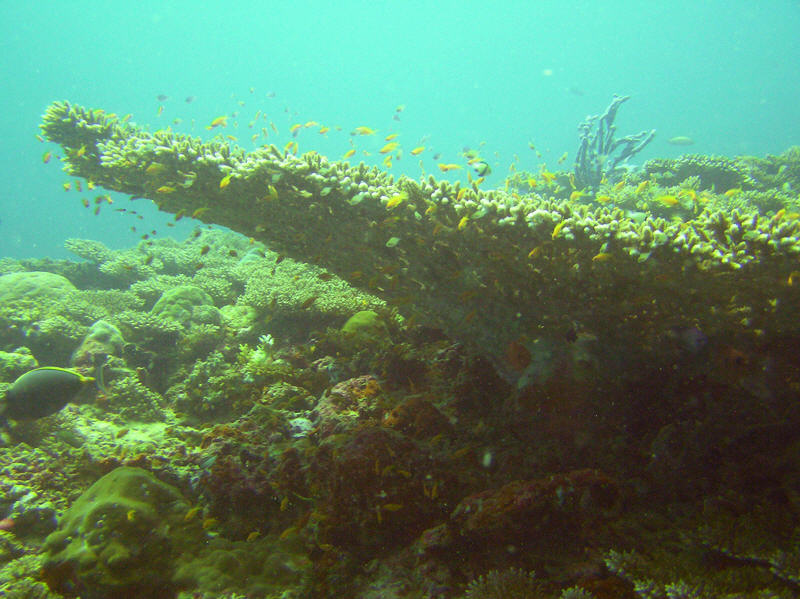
x=503 y=74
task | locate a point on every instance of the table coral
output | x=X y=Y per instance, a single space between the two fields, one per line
x=489 y=267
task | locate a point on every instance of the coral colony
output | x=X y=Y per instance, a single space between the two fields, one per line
x=577 y=385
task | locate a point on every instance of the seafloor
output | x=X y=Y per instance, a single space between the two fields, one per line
x=528 y=392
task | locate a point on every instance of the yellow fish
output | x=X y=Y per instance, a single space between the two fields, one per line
x=155 y=169
x=324 y=130
x=462 y=224
x=226 y=180
x=273 y=193
x=557 y=229
x=603 y=199
x=417 y=150
x=165 y=189
x=220 y=121
x=253 y=536
x=448 y=167
x=577 y=195
x=461 y=193
x=191 y=514
x=363 y=131
x=396 y=200
x=294 y=129
x=601 y=257
x=199 y=212
x=642 y=186
x=391 y=146
x=390 y=137
x=733 y=192
x=349 y=154
x=667 y=200
x=548 y=177
x=388 y=161
x=210 y=523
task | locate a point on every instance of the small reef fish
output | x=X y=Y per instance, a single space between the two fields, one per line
x=165 y=189
x=190 y=515
x=390 y=147
x=46 y=157
x=680 y=140
x=363 y=131
x=226 y=180
x=417 y=150
x=155 y=169
x=349 y=154
x=577 y=195
x=548 y=177
x=667 y=200
x=396 y=200
x=220 y=121
x=162 y=97
x=448 y=167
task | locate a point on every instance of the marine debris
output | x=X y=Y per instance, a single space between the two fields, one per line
x=504 y=270
x=596 y=159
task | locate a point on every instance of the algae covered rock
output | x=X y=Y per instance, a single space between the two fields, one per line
x=33 y=286
x=365 y=326
x=16 y=363
x=188 y=305
x=102 y=340
x=118 y=539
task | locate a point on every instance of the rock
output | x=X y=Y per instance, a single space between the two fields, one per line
x=119 y=538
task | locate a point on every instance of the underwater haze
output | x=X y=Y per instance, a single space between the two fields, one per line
x=366 y=300
x=447 y=75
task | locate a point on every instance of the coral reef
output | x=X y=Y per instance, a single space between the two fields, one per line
x=117 y=538
x=598 y=386
x=490 y=268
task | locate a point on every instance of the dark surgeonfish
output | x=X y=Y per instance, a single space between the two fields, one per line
x=41 y=392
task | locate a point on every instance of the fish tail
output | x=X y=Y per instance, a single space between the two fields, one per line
x=99 y=376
